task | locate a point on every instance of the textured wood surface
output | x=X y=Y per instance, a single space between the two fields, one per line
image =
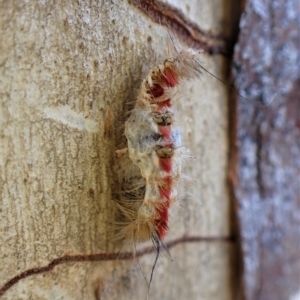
x=68 y=71
x=266 y=62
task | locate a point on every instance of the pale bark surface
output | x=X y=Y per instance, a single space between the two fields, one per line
x=68 y=71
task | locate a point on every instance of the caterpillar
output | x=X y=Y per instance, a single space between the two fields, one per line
x=152 y=161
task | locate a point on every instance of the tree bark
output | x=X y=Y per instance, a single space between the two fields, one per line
x=68 y=72
x=266 y=70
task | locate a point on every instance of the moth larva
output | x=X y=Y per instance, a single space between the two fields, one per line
x=155 y=151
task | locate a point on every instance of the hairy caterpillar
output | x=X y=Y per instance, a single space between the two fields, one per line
x=154 y=154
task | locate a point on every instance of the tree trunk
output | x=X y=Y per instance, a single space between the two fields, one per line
x=68 y=72
x=266 y=69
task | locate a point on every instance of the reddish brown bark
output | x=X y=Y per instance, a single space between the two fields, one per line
x=266 y=62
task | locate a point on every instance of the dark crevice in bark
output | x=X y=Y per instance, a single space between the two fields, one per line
x=259 y=171
x=237 y=256
x=188 y=31
x=237 y=284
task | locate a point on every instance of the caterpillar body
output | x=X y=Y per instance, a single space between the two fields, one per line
x=154 y=151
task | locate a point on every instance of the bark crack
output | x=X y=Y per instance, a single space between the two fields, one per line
x=188 y=31
x=107 y=257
